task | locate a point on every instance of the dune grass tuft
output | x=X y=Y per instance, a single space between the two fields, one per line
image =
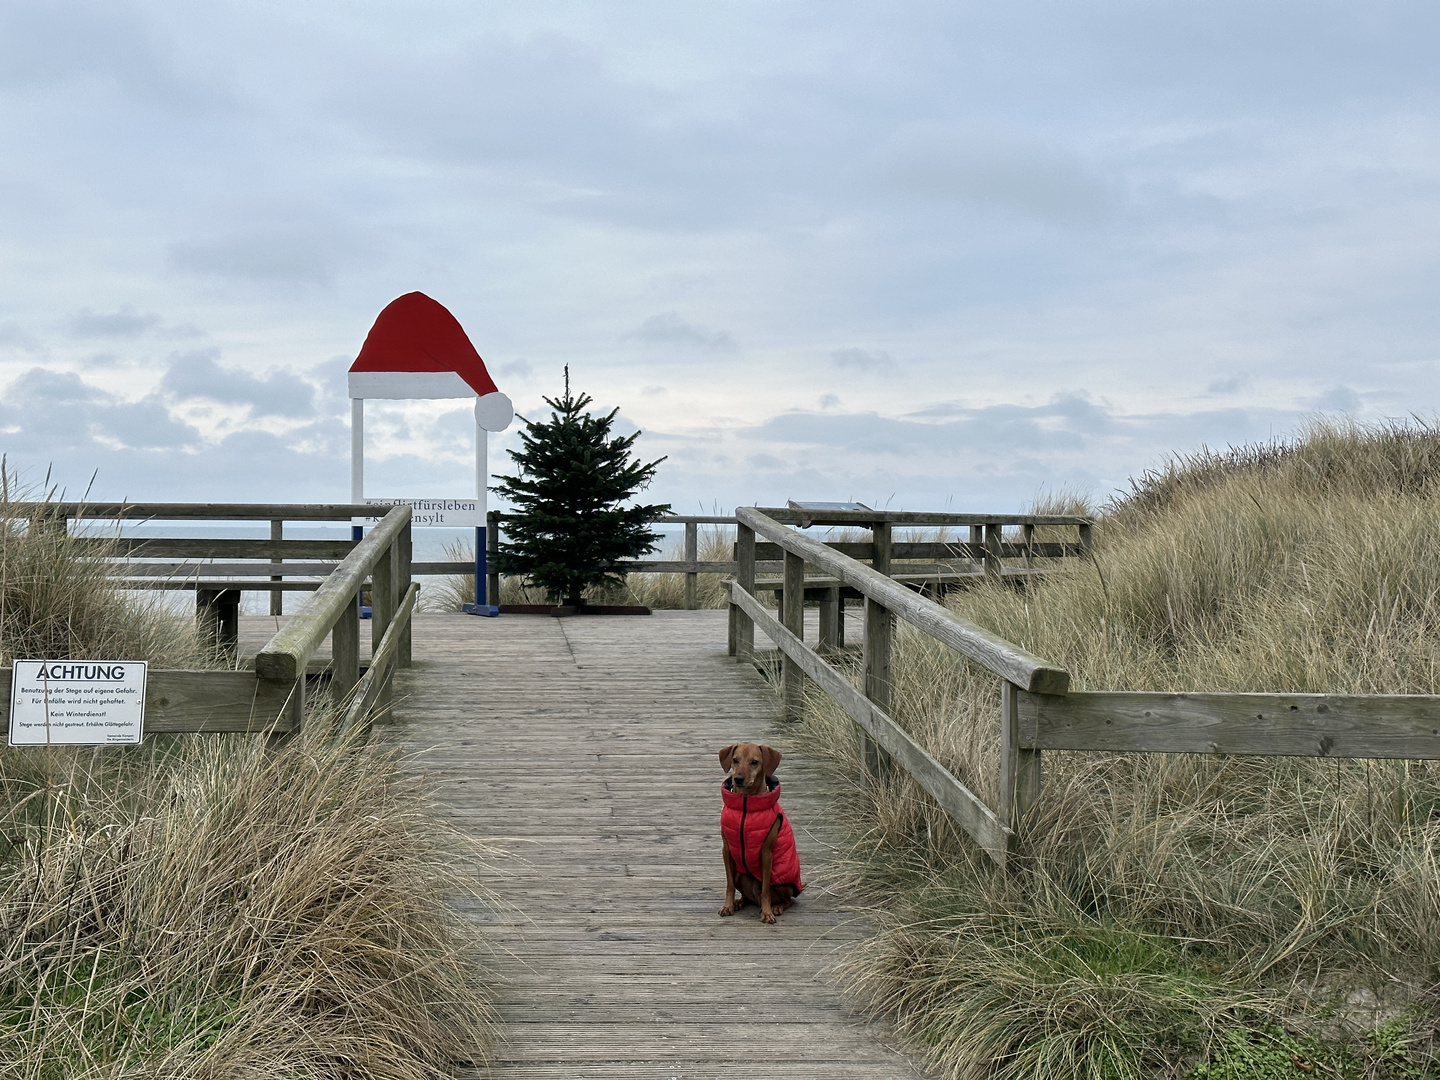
x=211 y=906
x=207 y=907
x=1164 y=903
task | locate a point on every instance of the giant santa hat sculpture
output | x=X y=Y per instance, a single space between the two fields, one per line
x=417 y=349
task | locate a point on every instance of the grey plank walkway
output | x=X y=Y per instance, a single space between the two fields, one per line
x=587 y=747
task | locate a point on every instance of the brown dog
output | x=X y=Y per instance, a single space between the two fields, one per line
x=759 y=845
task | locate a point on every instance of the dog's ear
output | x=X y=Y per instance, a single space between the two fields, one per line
x=727 y=755
x=771 y=757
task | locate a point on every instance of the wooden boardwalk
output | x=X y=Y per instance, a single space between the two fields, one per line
x=586 y=747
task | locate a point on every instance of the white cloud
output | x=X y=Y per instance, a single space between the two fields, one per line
x=758 y=209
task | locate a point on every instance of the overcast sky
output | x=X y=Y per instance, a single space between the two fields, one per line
x=922 y=255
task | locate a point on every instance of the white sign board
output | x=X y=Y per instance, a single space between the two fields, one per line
x=452 y=513
x=77 y=702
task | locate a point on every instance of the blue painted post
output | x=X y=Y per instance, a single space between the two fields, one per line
x=480 y=596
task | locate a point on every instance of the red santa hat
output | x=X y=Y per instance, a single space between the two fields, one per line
x=417 y=349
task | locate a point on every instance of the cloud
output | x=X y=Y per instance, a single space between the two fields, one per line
x=669 y=329
x=1229 y=384
x=50 y=411
x=283 y=247
x=125 y=323
x=12 y=336
x=197 y=374
x=1069 y=425
x=515 y=369
x=862 y=360
x=934 y=163
x=1337 y=399
x=52 y=46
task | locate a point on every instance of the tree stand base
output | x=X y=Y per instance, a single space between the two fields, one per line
x=566 y=610
x=487 y=610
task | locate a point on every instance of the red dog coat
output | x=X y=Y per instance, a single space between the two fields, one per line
x=745 y=820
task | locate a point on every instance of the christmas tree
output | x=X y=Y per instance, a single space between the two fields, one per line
x=568 y=529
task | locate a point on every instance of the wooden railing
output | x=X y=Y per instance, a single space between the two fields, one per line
x=383 y=558
x=929 y=565
x=270 y=697
x=1038 y=709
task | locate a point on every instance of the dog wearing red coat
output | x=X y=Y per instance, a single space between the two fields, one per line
x=761 y=860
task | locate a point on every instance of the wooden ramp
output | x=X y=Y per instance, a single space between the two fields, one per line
x=586 y=747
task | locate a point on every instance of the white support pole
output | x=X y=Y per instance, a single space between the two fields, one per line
x=357 y=460
x=357 y=450
x=483 y=605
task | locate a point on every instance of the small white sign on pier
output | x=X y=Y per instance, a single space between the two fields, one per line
x=77 y=702
x=451 y=513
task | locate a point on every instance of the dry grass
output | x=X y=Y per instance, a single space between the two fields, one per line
x=1167 y=902
x=659 y=591
x=205 y=906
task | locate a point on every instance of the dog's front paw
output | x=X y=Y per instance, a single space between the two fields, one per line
x=729 y=908
x=768 y=915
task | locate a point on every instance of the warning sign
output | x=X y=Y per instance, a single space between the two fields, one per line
x=77 y=702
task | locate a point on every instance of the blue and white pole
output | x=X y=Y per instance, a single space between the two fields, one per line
x=492 y=413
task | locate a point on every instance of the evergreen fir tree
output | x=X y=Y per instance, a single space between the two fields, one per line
x=568 y=529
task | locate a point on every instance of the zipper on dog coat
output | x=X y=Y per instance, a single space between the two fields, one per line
x=745 y=821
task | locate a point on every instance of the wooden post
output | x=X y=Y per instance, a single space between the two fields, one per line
x=492 y=549
x=1028 y=538
x=383 y=602
x=345 y=652
x=1019 y=768
x=879 y=643
x=404 y=553
x=743 y=627
x=692 y=554
x=992 y=551
x=829 y=620
x=294 y=712
x=1087 y=539
x=218 y=612
x=277 y=603
x=977 y=539
x=793 y=617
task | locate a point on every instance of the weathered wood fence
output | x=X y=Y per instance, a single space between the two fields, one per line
x=270 y=697
x=1038 y=711
x=929 y=566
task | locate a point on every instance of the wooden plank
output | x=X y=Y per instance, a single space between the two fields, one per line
x=877 y=647
x=194 y=701
x=193 y=584
x=673 y=566
x=692 y=555
x=277 y=598
x=1286 y=725
x=129 y=569
x=201 y=547
x=370 y=690
x=1002 y=657
x=123 y=511
x=954 y=798
x=863 y=519
x=793 y=603
x=287 y=652
x=586 y=747
x=1019 y=766
x=957 y=549
x=345 y=651
x=744 y=629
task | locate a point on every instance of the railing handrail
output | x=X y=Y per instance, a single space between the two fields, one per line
x=290 y=649
x=993 y=652
x=789 y=515
x=159 y=511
